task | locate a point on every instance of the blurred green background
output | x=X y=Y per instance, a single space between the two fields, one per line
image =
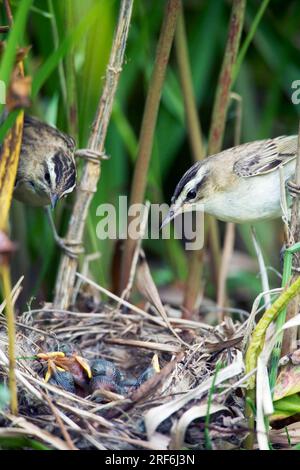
x=271 y=64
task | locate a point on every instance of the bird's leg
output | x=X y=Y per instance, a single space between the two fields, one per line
x=65 y=246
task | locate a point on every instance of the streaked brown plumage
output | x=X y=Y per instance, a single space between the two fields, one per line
x=47 y=169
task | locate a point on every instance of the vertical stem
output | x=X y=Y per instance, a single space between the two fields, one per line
x=221 y=106
x=61 y=72
x=9 y=158
x=224 y=266
x=230 y=227
x=148 y=124
x=91 y=172
x=5 y=276
x=222 y=97
x=8 y=12
x=285 y=342
x=185 y=75
x=195 y=259
x=70 y=73
x=290 y=336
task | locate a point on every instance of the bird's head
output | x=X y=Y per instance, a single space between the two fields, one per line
x=54 y=177
x=190 y=192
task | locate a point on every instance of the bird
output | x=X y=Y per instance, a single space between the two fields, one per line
x=47 y=170
x=241 y=184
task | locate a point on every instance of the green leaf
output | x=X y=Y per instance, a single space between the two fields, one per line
x=14 y=38
x=67 y=43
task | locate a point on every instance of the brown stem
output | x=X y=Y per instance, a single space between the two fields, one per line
x=226 y=257
x=185 y=75
x=230 y=227
x=148 y=124
x=91 y=172
x=222 y=97
x=221 y=106
x=8 y=12
x=70 y=74
x=195 y=259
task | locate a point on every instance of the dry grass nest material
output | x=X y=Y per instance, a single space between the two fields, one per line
x=188 y=352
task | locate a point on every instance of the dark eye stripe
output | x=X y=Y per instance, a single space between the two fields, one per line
x=190 y=174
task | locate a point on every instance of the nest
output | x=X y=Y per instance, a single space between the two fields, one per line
x=194 y=412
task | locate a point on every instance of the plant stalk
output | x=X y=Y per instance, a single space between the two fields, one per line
x=92 y=169
x=195 y=259
x=148 y=125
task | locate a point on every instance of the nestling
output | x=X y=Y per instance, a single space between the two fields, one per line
x=47 y=169
x=241 y=184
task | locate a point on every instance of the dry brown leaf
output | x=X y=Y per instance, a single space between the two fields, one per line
x=158 y=414
x=19 y=93
x=288 y=381
x=147 y=288
x=195 y=412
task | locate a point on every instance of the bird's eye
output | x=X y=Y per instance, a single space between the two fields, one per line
x=47 y=177
x=191 y=194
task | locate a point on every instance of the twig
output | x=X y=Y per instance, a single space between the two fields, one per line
x=127 y=290
x=60 y=423
x=177 y=321
x=144 y=344
x=91 y=172
x=148 y=124
x=225 y=262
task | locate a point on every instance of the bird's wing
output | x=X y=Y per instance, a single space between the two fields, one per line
x=264 y=156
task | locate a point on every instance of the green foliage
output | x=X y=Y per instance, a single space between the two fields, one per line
x=267 y=66
x=18 y=443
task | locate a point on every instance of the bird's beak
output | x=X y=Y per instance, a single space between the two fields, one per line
x=54 y=199
x=170 y=216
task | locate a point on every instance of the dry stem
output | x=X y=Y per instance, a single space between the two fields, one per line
x=195 y=136
x=91 y=173
x=221 y=103
x=148 y=124
x=290 y=335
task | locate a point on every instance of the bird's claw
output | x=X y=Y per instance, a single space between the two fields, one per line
x=293 y=188
x=72 y=248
